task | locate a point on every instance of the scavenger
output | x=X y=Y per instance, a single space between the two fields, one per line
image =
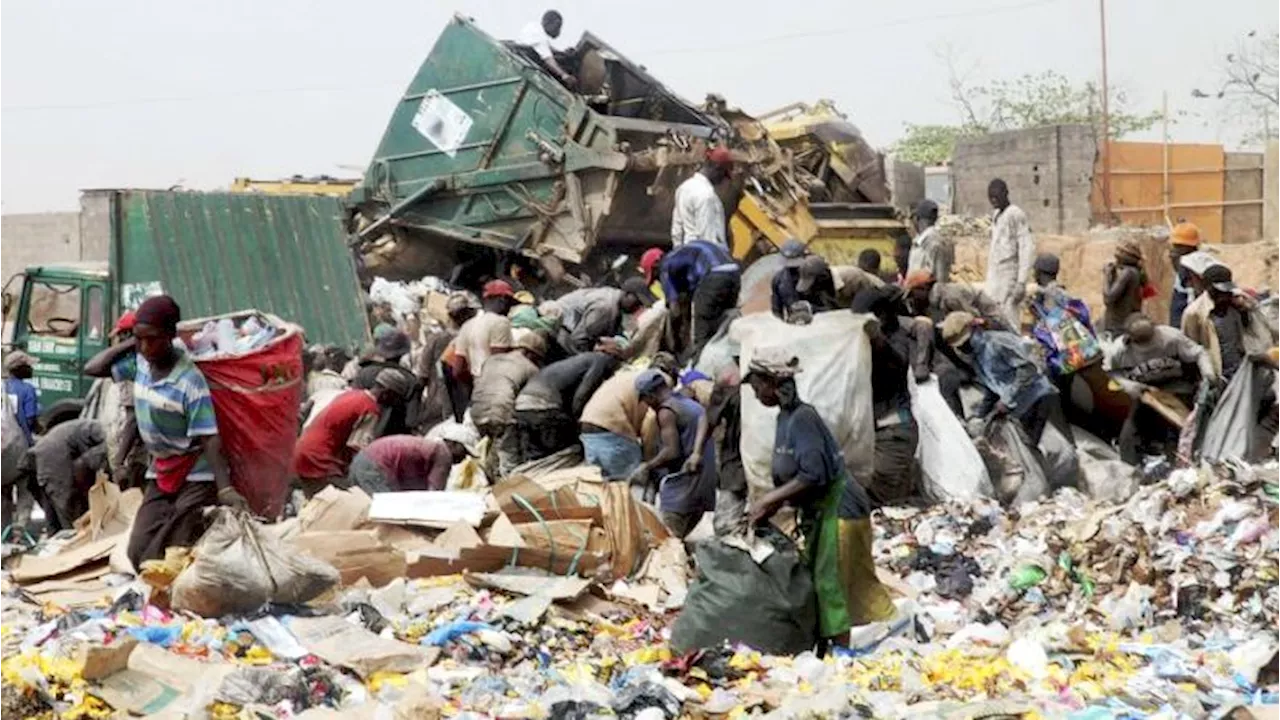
x=686 y=487
x=808 y=472
x=174 y=411
x=347 y=425
x=1010 y=254
x=698 y=213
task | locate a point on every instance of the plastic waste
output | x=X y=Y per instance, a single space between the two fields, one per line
x=453 y=631
x=1027 y=576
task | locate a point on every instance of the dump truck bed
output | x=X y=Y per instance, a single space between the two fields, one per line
x=485 y=147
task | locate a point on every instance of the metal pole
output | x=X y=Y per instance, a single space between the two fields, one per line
x=1164 y=141
x=1106 y=120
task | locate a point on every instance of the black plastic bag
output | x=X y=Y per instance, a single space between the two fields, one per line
x=769 y=606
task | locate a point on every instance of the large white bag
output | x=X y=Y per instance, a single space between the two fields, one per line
x=835 y=378
x=952 y=468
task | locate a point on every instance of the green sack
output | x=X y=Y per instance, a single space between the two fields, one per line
x=770 y=607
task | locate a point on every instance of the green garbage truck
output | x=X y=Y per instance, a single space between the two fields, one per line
x=213 y=252
x=486 y=150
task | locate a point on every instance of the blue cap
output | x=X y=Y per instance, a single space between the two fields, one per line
x=648 y=382
x=792 y=249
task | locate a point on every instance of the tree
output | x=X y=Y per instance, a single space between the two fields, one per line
x=1250 y=85
x=1027 y=101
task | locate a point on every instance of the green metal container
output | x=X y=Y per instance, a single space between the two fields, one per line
x=486 y=147
x=217 y=253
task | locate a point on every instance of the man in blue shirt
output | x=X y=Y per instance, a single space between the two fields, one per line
x=22 y=394
x=700 y=283
x=1011 y=381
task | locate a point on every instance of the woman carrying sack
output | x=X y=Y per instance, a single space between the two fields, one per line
x=808 y=472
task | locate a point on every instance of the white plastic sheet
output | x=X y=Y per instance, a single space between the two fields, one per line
x=952 y=468
x=835 y=378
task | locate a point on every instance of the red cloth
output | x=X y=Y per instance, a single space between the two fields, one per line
x=322 y=450
x=256 y=397
x=172 y=471
x=411 y=462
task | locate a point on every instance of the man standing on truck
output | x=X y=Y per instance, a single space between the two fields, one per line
x=174 y=411
x=537 y=36
x=1010 y=254
x=698 y=213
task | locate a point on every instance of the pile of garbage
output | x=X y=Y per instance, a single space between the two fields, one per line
x=957 y=226
x=555 y=596
x=233 y=335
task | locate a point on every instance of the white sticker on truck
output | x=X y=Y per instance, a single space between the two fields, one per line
x=132 y=294
x=443 y=123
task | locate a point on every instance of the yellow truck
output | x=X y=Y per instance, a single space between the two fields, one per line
x=296 y=185
x=829 y=190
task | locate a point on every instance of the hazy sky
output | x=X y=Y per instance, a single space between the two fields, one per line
x=138 y=93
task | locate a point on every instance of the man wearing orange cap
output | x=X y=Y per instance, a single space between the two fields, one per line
x=1184 y=239
x=698 y=213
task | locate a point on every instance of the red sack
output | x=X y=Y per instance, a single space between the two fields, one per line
x=256 y=397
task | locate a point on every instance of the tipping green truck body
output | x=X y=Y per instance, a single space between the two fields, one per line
x=213 y=252
x=487 y=148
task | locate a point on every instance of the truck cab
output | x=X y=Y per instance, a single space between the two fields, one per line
x=61 y=316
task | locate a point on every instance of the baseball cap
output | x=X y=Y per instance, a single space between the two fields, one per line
x=811 y=268
x=638 y=287
x=648 y=381
x=498 y=288
x=125 y=323
x=792 y=252
x=957 y=327
x=1219 y=278
x=721 y=156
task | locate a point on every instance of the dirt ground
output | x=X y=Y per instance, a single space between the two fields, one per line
x=1083 y=258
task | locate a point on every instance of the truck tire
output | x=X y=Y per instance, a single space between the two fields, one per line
x=60 y=412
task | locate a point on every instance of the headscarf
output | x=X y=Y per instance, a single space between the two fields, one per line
x=774 y=362
x=160 y=311
x=1128 y=249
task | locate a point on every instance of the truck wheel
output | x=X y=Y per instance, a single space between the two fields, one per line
x=60 y=412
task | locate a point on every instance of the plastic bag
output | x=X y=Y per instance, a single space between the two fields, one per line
x=953 y=470
x=1062 y=464
x=779 y=591
x=1232 y=428
x=1017 y=468
x=239 y=567
x=835 y=378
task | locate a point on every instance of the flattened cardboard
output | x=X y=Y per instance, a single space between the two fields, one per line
x=355 y=554
x=503 y=533
x=33 y=568
x=99 y=661
x=339 y=642
x=428 y=508
x=529 y=583
x=156 y=680
x=457 y=537
x=334 y=509
x=563 y=536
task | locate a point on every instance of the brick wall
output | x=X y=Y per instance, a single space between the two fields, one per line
x=906 y=183
x=1243 y=182
x=1049 y=171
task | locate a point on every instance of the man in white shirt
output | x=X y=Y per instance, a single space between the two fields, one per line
x=1011 y=254
x=538 y=36
x=698 y=213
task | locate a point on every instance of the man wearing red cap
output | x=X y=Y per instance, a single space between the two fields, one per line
x=698 y=213
x=485 y=334
x=650 y=261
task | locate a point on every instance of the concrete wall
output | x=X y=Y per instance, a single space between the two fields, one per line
x=1271 y=189
x=37 y=238
x=906 y=183
x=1242 y=182
x=95 y=224
x=1049 y=171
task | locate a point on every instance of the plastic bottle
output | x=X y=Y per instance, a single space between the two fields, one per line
x=226 y=336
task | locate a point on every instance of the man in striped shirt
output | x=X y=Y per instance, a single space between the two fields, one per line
x=174 y=412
